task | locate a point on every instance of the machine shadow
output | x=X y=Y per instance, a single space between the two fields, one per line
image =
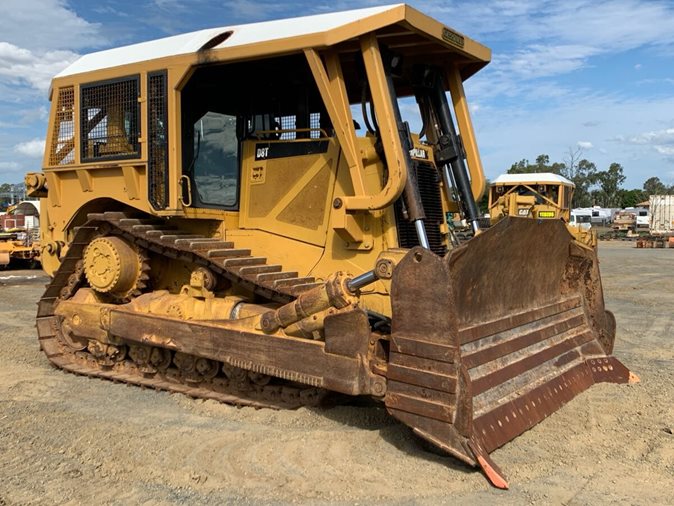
x=366 y=414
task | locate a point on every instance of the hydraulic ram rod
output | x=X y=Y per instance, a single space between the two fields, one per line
x=440 y=130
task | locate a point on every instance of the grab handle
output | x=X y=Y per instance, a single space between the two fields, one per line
x=182 y=191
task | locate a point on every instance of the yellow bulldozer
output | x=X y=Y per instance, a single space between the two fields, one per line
x=16 y=246
x=19 y=244
x=216 y=224
x=542 y=196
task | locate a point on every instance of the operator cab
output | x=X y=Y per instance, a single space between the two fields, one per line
x=538 y=195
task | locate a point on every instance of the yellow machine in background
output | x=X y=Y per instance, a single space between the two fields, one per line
x=17 y=245
x=216 y=225
x=19 y=235
x=542 y=196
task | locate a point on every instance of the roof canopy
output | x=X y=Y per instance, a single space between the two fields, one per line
x=532 y=178
x=28 y=208
x=316 y=31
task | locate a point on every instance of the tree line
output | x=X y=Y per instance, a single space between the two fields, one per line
x=594 y=187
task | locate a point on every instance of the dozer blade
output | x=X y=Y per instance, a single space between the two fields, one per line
x=497 y=335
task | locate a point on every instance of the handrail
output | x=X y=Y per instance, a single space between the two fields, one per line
x=276 y=131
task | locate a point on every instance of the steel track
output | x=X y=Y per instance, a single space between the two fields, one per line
x=236 y=265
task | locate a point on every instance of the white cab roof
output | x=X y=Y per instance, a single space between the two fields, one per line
x=241 y=35
x=28 y=207
x=532 y=178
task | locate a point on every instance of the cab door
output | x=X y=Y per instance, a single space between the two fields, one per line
x=213 y=172
x=287 y=183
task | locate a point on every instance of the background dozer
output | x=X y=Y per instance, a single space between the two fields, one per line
x=19 y=235
x=216 y=225
x=542 y=196
x=16 y=247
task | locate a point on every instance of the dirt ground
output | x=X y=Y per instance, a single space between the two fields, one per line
x=66 y=439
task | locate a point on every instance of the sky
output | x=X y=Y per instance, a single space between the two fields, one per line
x=579 y=74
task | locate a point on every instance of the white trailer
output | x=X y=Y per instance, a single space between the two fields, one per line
x=661 y=215
x=582 y=217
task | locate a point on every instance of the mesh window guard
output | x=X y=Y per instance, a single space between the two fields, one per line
x=290 y=123
x=287 y=123
x=315 y=122
x=109 y=119
x=157 y=116
x=62 y=151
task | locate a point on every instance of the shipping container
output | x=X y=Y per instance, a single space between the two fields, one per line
x=662 y=215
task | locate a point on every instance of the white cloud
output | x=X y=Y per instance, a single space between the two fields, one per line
x=584 y=144
x=543 y=39
x=665 y=150
x=543 y=60
x=508 y=134
x=661 y=141
x=665 y=136
x=577 y=22
x=169 y=4
x=38 y=38
x=9 y=166
x=33 y=148
x=618 y=25
x=39 y=114
x=110 y=11
x=46 y=25
x=33 y=67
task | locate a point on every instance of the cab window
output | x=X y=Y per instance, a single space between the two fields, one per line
x=215 y=165
x=224 y=106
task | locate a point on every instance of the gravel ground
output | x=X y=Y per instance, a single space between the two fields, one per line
x=66 y=439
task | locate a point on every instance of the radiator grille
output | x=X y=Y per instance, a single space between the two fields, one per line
x=157 y=115
x=429 y=188
x=110 y=120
